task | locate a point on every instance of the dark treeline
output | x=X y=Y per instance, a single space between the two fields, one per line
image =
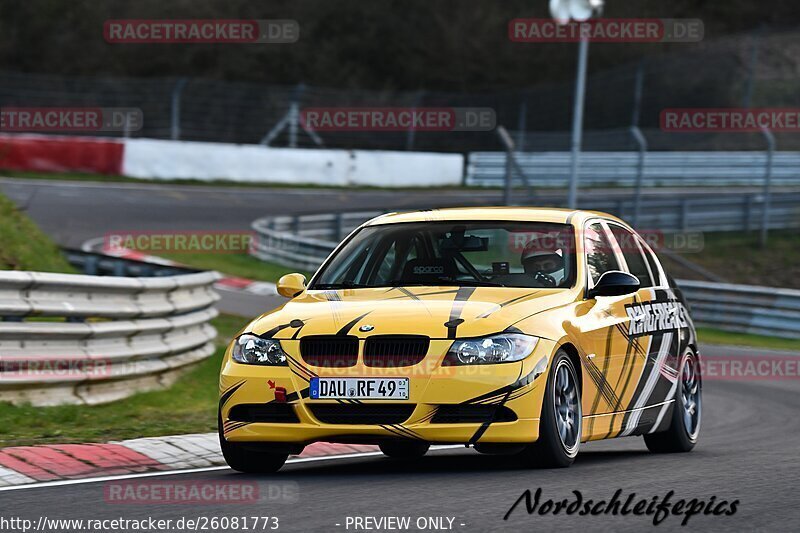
x=453 y=45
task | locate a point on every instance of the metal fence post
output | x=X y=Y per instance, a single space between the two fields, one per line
x=339 y=228
x=505 y=138
x=412 y=131
x=641 y=141
x=176 y=109
x=685 y=214
x=637 y=198
x=294 y=118
x=577 y=121
x=748 y=213
x=509 y=177
x=767 y=187
x=90 y=265
x=522 y=125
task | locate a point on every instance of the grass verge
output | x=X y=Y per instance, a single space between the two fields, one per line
x=189 y=406
x=240 y=265
x=718 y=336
x=738 y=258
x=23 y=246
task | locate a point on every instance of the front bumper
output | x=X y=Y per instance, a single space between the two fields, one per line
x=510 y=386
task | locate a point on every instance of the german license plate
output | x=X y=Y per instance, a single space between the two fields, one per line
x=359 y=388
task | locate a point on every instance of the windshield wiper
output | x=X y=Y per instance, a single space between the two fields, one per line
x=342 y=285
x=471 y=283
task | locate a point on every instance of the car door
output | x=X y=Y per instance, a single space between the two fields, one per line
x=649 y=347
x=658 y=322
x=603 y=324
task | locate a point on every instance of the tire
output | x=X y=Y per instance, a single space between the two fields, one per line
x=687 y=409
x=404 y=450
x=248 y=458
x=560 y=425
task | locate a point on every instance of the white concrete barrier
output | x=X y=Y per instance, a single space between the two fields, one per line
x=162 y=159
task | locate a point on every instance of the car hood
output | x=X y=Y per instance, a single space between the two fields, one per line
x=437 y=312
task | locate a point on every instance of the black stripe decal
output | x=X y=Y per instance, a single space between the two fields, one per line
x=462 y=295
x=225 y=396
x=346 y=329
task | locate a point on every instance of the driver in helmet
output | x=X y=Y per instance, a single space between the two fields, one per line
x=540 y=259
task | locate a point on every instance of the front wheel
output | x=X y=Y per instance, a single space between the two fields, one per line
x=561 y=420
x=404 y=450
x=248 y=458
x=687 y=409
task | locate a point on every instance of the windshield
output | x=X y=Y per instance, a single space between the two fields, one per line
x=501 y=254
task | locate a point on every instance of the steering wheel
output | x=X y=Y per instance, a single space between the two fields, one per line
x=544 y=280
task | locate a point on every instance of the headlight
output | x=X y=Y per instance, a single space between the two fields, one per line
x=253 y=350
x=504 y=348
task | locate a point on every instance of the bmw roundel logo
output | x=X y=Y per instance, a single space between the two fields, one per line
x=366 y=327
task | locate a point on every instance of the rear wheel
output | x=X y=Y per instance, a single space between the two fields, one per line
x=251 y=458
x=687 y=410
x=404 y=450
x=561 y=420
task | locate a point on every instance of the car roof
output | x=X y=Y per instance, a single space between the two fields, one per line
x=522 y=214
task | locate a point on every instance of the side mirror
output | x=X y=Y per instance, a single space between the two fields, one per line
x=291 y=285
x=614 y=283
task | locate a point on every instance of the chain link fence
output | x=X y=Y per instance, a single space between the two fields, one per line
x=755 y=70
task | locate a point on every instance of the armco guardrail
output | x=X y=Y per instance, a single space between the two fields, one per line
x=552 y=169
x=745 y=308
x=69 y=338
x=702 y=213
x=304 y=242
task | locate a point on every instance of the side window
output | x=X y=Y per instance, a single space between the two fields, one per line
x=599 y=253
x=651 y=260
x=629 y=247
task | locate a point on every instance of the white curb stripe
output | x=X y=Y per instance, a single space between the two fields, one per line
x=168 y=454
x=12 y=477
x=200 y=470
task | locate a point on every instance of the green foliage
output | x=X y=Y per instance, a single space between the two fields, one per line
x=23 y=246
x=379 y=44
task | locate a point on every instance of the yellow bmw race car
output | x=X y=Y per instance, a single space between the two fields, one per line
x=514 y=330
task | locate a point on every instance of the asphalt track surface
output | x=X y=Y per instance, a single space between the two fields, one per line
x=748 y=449
x=747 y=452
x=73 y=212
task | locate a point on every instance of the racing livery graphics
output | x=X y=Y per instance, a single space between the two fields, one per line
x=455 y=326
x=648 y=318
